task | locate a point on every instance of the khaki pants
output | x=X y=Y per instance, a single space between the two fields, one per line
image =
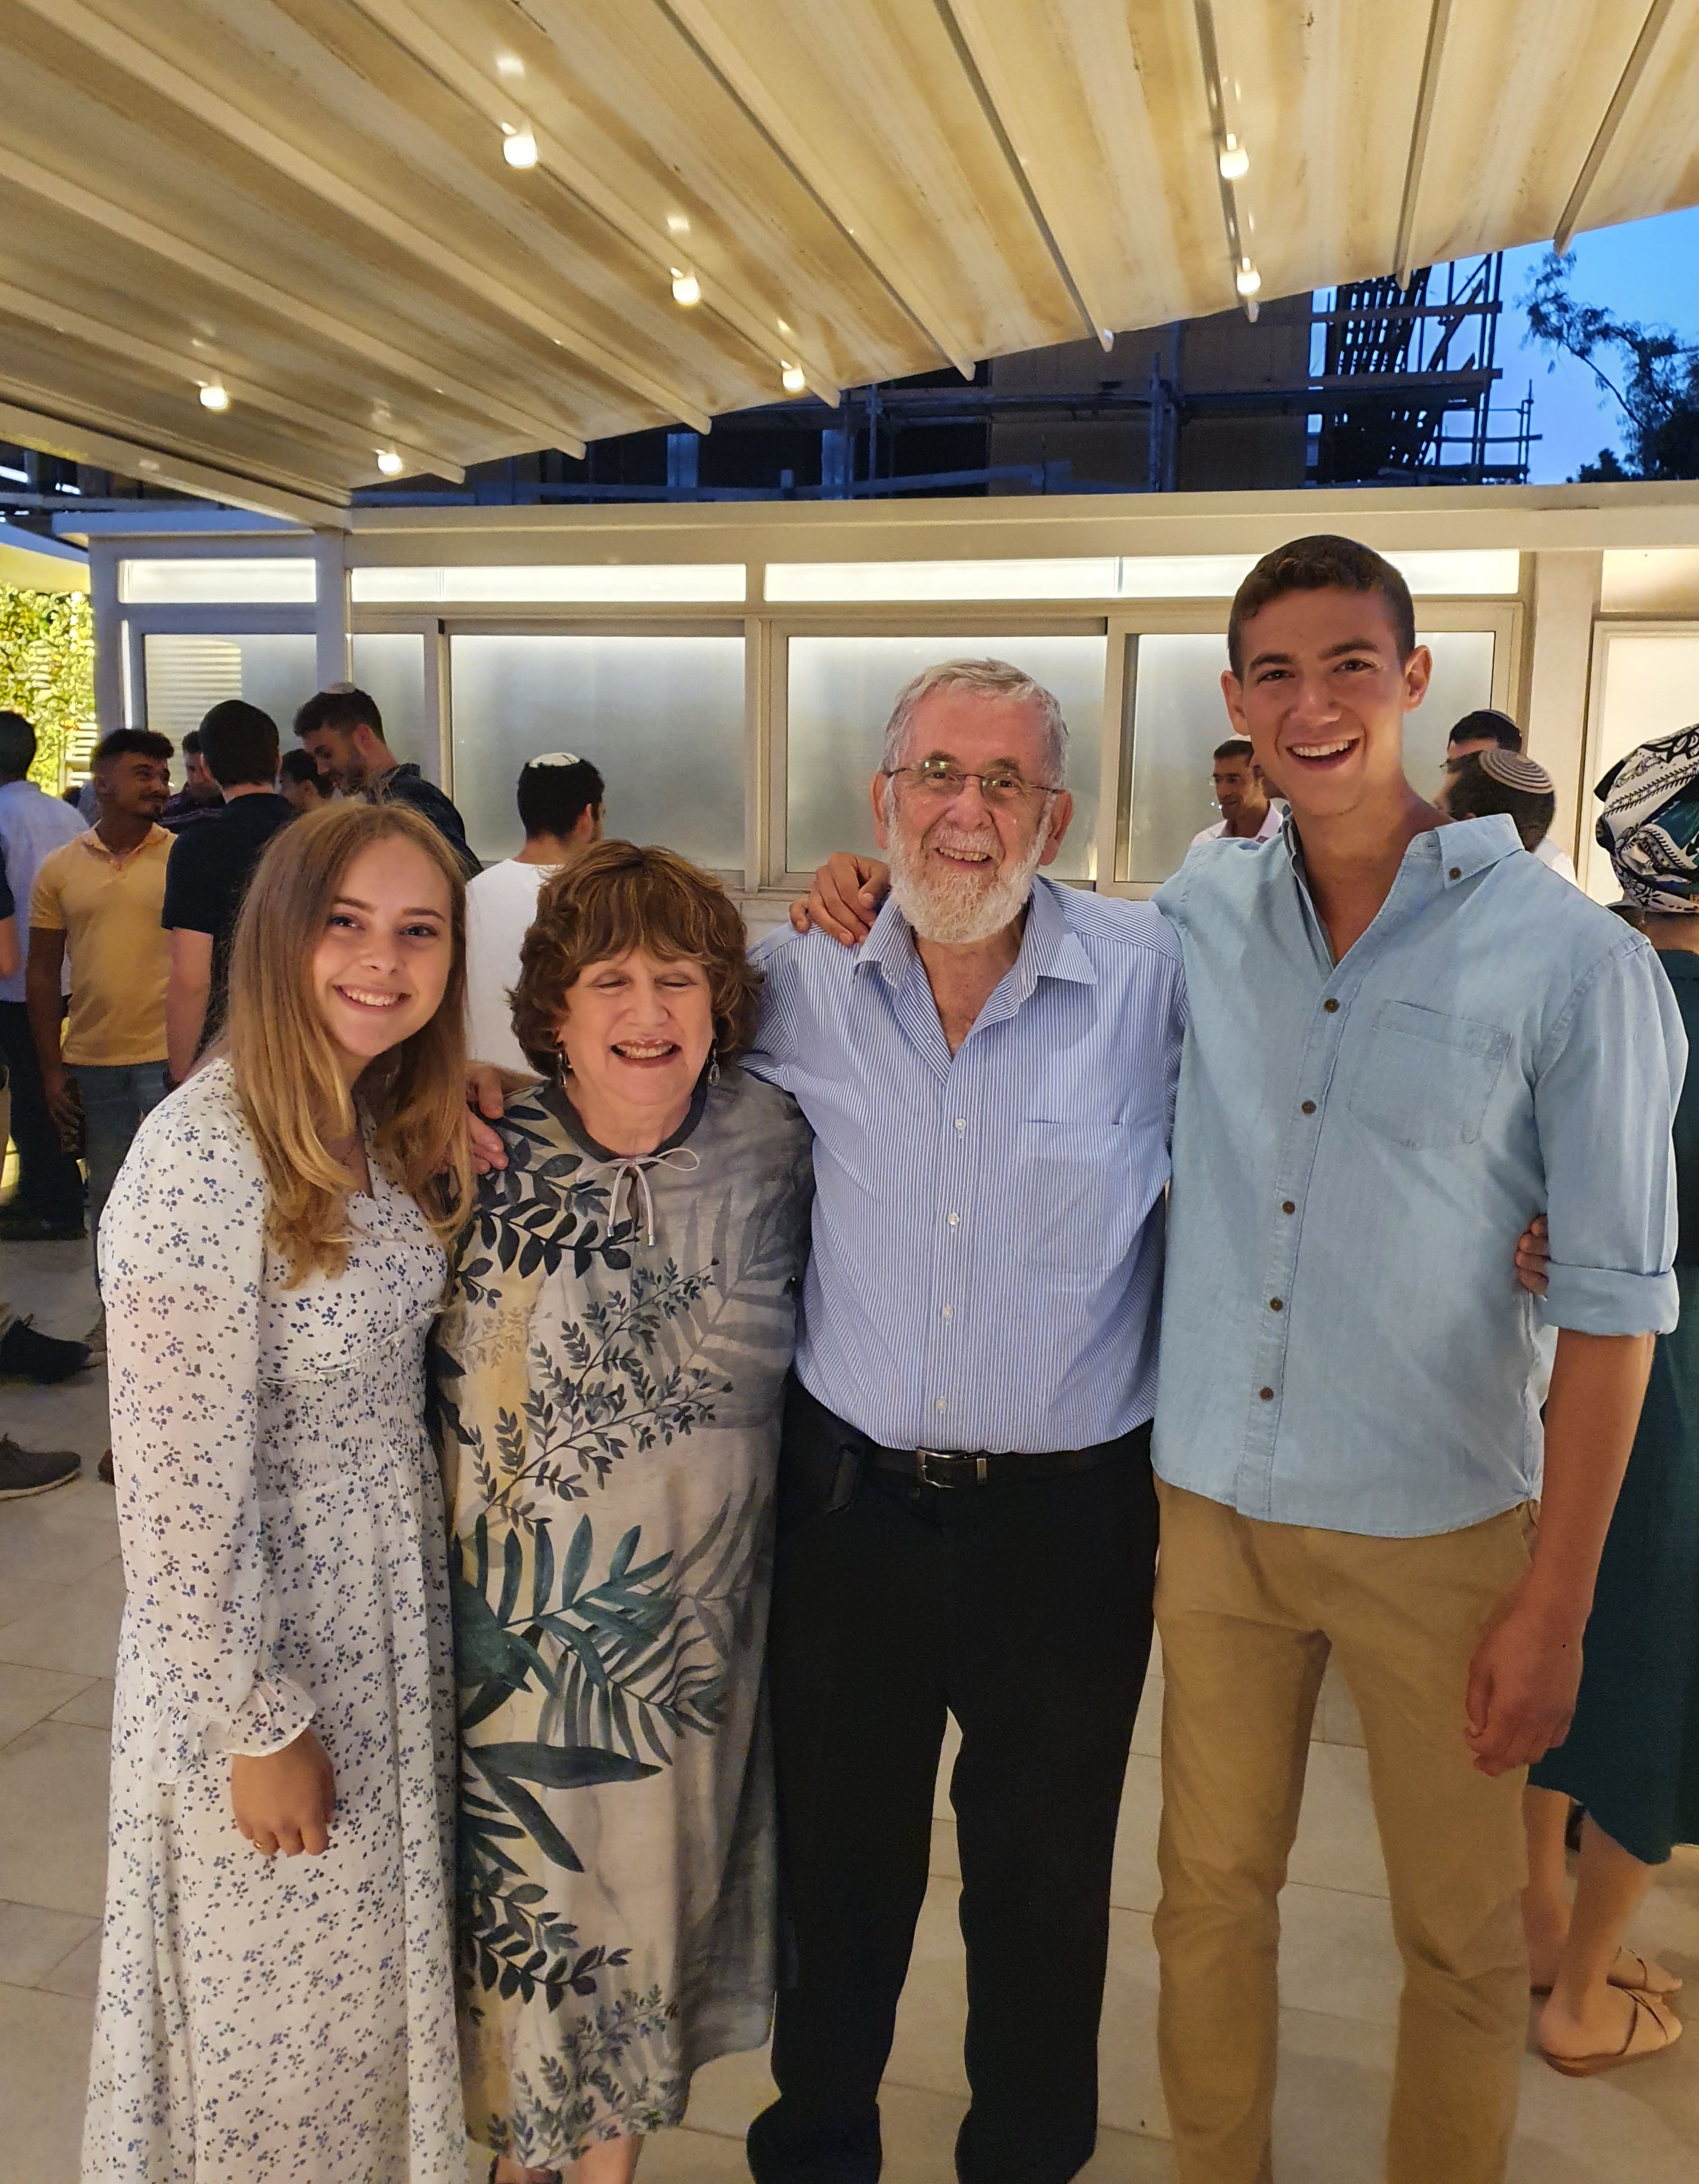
x=1248 y=1614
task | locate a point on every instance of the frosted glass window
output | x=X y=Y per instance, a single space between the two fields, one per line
x=213 y=582
x=1179 y=716
x=1130 y=576
x=841 y=693
x=1649 y=687
x=186 y=675
x=391 y=669
x=661 y=716
x=588 y=581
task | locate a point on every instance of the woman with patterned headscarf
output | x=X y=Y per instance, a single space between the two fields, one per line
x=1631 y=1758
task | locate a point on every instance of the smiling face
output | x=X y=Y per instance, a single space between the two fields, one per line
x=636 y=1034
x=1322 y=699
x=1237 y=784
x=133 y=786
x=383 y=959
x=346 y=757
x=962 y=863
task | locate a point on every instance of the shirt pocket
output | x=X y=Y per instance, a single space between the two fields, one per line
x=1426 y=1077
x=1071 y=1202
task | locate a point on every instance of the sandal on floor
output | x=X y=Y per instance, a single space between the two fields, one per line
x=1654 y=2028
x=1639 y=1984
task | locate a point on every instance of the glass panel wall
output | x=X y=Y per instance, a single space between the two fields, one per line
x=662 y=717
x=391 y=669
x=1178 y=717
x=185 y=675
x=840 y=693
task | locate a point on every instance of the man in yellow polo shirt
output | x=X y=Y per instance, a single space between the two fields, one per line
x=100 y=896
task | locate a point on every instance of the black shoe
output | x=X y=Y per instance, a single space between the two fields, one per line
x=103 y=1469
x=26 y=1354
x=34 y=1470
x=39 y=1228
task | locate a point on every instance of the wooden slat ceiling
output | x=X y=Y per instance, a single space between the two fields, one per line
x=307 y=200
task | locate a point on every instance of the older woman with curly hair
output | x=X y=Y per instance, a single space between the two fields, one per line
x=608 y=1374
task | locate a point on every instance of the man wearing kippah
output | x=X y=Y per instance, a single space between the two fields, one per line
x=560 y=809
x=1489 y=731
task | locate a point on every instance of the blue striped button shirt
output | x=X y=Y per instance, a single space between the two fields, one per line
x=988 y=1225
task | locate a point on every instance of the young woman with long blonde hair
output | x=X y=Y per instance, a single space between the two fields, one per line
x=276 y=1993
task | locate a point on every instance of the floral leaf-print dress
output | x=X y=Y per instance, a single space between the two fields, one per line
x=609 y=1372
x=290 y=2020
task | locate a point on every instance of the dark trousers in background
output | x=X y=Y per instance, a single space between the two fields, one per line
x=49 y=1181
x=1024 y=1610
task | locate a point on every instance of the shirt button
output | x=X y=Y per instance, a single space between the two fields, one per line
x=938 y=1405
x=955 y=1220
x=949 y=1312
x=1309 y=1107
x=1289 y=1207
x=1456 y=873
x=961 y=1121
x=1331 y=1005
x=1277 y=1304
x=1266 y=1395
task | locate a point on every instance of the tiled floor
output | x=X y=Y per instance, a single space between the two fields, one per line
x=60 y=1593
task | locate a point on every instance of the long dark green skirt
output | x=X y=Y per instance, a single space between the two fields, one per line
x=1632 y=1754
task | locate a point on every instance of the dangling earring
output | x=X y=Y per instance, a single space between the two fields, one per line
x=562 y=1067
x=713 y=1063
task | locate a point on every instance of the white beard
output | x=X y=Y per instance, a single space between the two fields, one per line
x=957 y=910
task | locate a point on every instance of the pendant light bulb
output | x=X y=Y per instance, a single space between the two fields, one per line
x=1235 y=160
x=793 y=379
x=686 y=289
x=390 y=463
x=1247 y=280
x=519 y=147
x=214 y=395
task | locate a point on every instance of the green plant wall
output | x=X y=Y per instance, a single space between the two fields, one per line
x=47 y=672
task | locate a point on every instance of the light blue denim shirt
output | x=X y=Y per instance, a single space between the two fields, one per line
x=987 y=1224
x=32 y=825
x=1357 y=1148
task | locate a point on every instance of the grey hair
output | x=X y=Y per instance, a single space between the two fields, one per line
x=990 y=678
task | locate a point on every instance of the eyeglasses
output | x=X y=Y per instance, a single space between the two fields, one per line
x=941 y=783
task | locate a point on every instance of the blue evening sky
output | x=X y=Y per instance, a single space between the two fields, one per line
x=1648 y=270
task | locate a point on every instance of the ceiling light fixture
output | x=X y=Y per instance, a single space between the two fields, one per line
x=1235 y=160
x=793 y=379
x=518 y=146
x=214 y=395
x=390 y=463
x=677 y=224
x=686 y=289
x=1247 y=280
x=510 y=64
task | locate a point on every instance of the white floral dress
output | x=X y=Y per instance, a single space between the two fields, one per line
x=280 y=1516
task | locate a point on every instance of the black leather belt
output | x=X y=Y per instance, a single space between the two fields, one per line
x=949 y=1468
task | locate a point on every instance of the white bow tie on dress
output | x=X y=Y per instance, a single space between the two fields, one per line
x=636 y=1165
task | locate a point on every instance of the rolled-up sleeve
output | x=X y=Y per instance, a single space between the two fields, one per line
x=1604 y=1099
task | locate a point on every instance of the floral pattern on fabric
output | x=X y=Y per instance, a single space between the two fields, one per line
x=281 y=1525
x=609 y=1374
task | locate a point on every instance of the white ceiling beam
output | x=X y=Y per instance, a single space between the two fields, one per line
x=101 y=450
x=977 y=51
x=461 y=71
x=196 y=370
x=172 y=82
x=1656 y=15
x=539 y=429
x=789 y=135
x=1426 y=96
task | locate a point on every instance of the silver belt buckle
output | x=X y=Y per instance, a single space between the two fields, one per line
x=927 y=1457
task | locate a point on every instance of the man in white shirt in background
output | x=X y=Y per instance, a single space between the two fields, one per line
x=1489 y=730
x=1241 y=794
x=560 y=809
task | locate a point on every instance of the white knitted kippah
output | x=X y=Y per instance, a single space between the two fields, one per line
x=1512 y=771
x=555 y=758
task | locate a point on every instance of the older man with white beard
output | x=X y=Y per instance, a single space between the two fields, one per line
x=966 y=1520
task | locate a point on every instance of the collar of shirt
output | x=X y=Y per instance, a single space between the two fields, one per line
x=118 y=858
x=1357 y=1146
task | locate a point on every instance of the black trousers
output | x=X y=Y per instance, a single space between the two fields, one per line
x=49 y=1181
x=1024 y=1610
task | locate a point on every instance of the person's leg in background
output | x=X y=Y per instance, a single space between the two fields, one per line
x=1050 y=1637
x=49 y=1194
x=1242 y=1663
x=115 y=1098
x=25 y=1471
x=1405 y=1617
x=855 y=1656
